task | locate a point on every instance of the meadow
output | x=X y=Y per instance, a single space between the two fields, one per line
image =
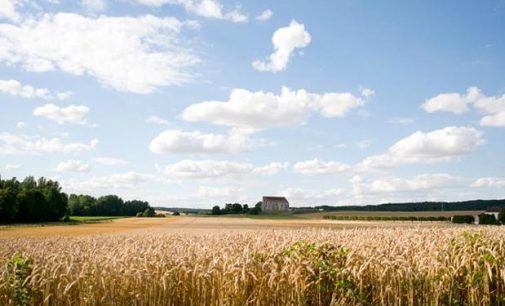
x=226 y=261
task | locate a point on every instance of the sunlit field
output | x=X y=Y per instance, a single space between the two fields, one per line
x=226 y=261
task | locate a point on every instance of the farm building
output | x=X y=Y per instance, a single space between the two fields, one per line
x=274 y=204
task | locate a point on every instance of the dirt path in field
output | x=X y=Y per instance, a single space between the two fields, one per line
x=193 y=226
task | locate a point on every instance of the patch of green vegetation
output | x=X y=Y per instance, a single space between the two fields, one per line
x=84 y=219
x=19 y=268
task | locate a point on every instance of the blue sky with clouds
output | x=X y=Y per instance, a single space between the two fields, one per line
x=200 y=102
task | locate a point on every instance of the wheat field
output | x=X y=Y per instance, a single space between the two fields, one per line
x=367 y=266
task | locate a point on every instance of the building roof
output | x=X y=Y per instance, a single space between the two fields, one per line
x=275 y=198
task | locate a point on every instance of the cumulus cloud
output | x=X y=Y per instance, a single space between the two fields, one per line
x=205 y=8
x=285 y=41
x=61 y=115
x=196 y=142
x=451 y=102
x=132 y=54
x=420 y=147
x=157 y=120
x=489 y=182
x=8 y=10
x=15 y=88
x=260 y=110
x=110 y=161
x=115 y=181
x=219 y=192
x=73 y=166
x=201 y=169
x=319 y=167
x=12 y=166
x=11 y=144
x=493 y=107
x=397 y=185
x=301 y=196
x=271 y=168
x=265 y=15
x=94 y=5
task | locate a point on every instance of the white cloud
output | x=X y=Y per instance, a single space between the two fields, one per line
x=207 y=169
x=265 y=15
x=219 y=192
x=319 y=167
x=451 y=102
x=110 y=161
x=364 y=144
x=423 y=184
x=20 y=125
x=133 y=54
x=11 y=144
x=12 y=166
x=94 y=5
x=15 y=88
x=201 y=169
x=73 y=166
x=493 y=107
x=308 y=197
x=157 y=120
x=115 y=181
x=8 y=9
x=260 y=110
x=177 y=141
x=489 y=182
x=271 y=168
x=61 y=115
x=435 y=146
x=420 y=182
x=367 y=92
x=204 y=8
x=401 y=120
x=285 y=41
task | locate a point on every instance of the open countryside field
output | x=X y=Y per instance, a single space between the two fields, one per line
x=321 y=214
x=194 y=225
x=241 y=261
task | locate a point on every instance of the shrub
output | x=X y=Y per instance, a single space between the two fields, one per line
x=487 y=219
x=463 y=219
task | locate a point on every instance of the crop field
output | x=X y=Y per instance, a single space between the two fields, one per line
x=238 y=261
x=321 y=214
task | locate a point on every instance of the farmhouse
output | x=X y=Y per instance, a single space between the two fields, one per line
x=274 y=204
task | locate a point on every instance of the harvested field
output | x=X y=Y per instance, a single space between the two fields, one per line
x=193 y=225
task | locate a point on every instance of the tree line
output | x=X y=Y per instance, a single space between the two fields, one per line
x=388 y=218
x=237 y=208
x=109 y=205
x=418 y=206
x=42 y=200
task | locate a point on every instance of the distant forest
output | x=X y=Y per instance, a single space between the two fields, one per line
x=420 y=206
x=42 y=200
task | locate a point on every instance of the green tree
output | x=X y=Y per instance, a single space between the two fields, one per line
x=216 y=210
x=487 y=219
x=109 y=205
x=149 y=212
x=8 y=207
x=31 y=204
x=501 y=216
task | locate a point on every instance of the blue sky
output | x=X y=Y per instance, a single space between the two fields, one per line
x=200 y=102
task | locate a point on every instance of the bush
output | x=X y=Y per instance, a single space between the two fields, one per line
x=463 y=219
x=501 y=216
x=487 y=219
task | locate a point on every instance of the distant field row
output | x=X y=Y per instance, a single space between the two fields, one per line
x=321 y=214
